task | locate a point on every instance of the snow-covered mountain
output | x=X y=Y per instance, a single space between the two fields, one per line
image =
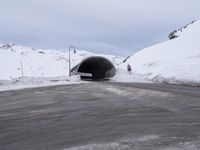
x=17 y=61
x=173 y=61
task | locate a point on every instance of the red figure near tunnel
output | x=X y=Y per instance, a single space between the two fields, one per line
x=129 y=68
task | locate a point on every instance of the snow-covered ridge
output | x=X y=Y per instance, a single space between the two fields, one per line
x=173 y=61
x=178 y=32
x=17 y=61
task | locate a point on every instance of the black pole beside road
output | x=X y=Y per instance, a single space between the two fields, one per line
x=71 y=47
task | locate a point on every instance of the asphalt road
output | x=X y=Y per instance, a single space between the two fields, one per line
x=101 y=116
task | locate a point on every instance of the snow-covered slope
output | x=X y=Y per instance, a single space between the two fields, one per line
x=17 y=61
x=175 y=60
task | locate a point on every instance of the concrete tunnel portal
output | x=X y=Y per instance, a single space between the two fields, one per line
x=96 y=68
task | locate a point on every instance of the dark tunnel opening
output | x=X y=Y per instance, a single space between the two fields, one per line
x=96 y=68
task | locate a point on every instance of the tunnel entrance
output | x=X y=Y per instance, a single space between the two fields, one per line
x=96 y=68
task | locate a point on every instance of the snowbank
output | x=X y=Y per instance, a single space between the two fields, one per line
x=22 y=83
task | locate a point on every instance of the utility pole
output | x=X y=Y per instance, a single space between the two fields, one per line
x=22 y=70
x=71 y=47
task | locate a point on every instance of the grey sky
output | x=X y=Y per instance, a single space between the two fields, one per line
x=104 y=26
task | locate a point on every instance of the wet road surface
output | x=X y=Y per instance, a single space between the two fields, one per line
x=101 y=116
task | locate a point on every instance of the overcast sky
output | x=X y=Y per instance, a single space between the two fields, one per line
x=120 y=27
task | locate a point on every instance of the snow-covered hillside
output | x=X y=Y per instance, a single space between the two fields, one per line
x=173 y=61
x=17 y=61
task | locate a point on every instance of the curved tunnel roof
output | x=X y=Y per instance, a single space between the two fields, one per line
x=95 y=68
